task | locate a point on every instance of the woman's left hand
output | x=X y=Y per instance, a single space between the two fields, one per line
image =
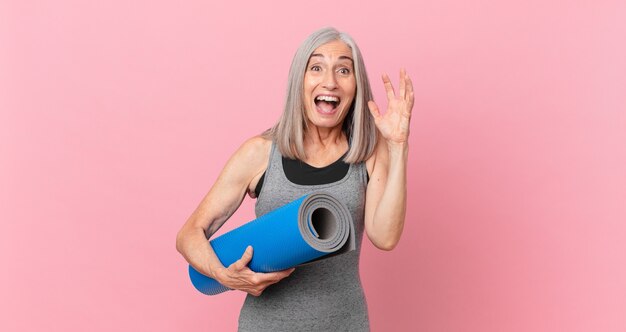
x=394 y=124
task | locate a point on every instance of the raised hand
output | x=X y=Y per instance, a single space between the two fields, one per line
x=239 y=276
x=394 y=124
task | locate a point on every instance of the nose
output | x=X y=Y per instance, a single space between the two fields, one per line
x=329 y=82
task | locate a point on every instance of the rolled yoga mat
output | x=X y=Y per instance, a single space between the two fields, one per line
x=315 y=226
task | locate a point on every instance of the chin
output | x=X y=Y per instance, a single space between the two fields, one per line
x=324 y=121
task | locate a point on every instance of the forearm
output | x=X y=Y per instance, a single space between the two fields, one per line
x=388 y=219
x=196 y=249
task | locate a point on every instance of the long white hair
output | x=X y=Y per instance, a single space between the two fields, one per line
x=358 y=125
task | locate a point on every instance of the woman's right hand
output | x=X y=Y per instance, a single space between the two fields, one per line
x=239 y=276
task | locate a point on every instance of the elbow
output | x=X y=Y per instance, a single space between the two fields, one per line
x=186 y=237
x=386 y=245
x=384 y=240
x=179 y=241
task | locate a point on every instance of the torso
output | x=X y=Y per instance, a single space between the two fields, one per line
x=321 y=296
x=314 y=159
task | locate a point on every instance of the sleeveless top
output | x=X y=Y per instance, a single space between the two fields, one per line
x=325 y=295
x=300 y=172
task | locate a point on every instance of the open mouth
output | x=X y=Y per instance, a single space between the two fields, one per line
x=326 y=104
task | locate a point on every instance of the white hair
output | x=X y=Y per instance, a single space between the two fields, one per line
x=358 y=125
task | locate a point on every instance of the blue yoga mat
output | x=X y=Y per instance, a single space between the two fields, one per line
x=312 y=227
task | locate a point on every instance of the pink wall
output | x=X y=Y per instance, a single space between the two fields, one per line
x=116 y=117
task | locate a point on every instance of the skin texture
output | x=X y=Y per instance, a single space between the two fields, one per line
x=329 y=72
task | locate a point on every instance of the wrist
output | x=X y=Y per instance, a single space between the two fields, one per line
x=398 y=148
x=216 y=272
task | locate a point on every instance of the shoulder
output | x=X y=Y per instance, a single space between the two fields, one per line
x=252 y=156
x=254 y=149
x=251 y=160
x=247 y=164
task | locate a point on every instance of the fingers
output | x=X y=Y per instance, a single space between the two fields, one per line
x=241 y=263
x=239 y=276
x=409 y=85
x=272 y=277
x=402 y=91
x=410 y=97
x=406 y=91
x=406 y=87
x=388 y=87
x=279 y=275
x=260 y=281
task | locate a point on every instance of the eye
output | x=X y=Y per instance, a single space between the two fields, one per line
x=315 y=68
x=344 y=71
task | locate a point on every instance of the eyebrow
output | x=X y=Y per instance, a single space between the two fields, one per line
x=342 y=57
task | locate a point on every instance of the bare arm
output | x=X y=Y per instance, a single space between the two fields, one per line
x=385 y=207
x=218 y=205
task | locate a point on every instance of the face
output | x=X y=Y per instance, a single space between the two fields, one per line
x=329 y=84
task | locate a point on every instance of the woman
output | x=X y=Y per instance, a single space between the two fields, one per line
x=325 y=139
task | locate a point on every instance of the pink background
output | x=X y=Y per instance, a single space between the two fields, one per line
x=117 y=116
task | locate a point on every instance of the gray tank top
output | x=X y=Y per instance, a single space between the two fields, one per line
x=321 y=296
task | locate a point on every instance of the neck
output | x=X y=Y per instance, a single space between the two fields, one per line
x=324 y=145
x=321 y=138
